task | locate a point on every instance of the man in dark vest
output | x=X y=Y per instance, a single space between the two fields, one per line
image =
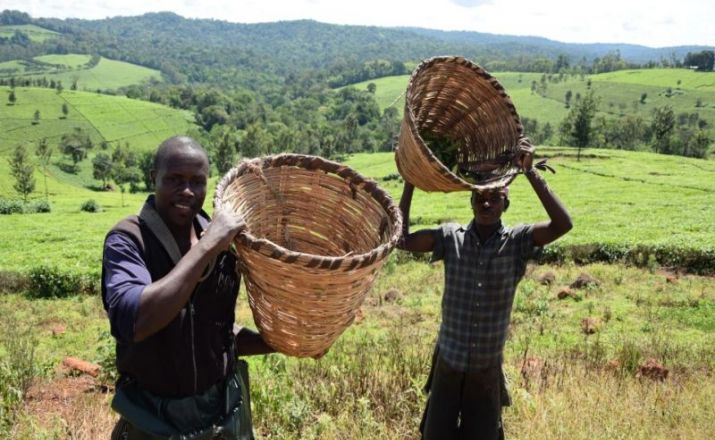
x=169 y=286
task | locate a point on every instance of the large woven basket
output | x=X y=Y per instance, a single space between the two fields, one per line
x=317 y=234
x=456 y=99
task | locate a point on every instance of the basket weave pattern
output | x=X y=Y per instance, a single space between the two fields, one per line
x=455 y=98
x=317 y=234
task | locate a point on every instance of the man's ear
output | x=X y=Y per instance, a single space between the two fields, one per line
x=506 y=204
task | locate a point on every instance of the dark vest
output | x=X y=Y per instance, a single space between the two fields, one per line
x=195 y=350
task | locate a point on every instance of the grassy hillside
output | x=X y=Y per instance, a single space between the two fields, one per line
x=68 y=237
x=106 y=75
x=109 y=118
x=35 y=33
x=620 y=93
x=623 y=204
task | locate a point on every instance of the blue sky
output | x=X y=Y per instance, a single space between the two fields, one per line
x=654 y=23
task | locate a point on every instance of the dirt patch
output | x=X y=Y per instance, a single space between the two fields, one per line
x=565 y=292
x=72 y=405
x=590 y=326
x=652 y=369
x=392 y=295
x=585 y=280
x=547 y=278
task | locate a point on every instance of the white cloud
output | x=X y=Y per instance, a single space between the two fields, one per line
x=471 y=3
x=648 y=22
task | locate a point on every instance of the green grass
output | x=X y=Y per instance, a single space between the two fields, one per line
x=111 y=118
x=369 y=383
x=618 y=199
x=106 y=75
x=626 y=201
x=71 y=61
x=619 y=93
x=35 y=33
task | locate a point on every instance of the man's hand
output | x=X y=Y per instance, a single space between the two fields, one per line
x=221 y=231
x=525 y=157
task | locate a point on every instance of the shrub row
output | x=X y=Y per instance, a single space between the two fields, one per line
x=693 y=260
x=18 y=207
x=52 y=282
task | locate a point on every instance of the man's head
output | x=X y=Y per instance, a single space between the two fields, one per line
x=488 y=205
x=180 y=174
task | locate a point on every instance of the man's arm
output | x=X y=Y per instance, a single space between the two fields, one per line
x=560 y=220
x=163 y=299
x=249 y=342
x=420 y=241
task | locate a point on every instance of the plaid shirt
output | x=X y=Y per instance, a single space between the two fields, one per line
x=480 y=282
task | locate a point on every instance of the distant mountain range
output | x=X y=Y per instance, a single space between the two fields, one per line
x=214 y=51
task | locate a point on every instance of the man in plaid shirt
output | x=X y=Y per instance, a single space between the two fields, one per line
x=483 y=263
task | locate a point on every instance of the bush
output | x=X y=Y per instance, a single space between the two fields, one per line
x=39 y=206
x=10 y=207
x=90 y=206
x=51 y=282
x=107 y=359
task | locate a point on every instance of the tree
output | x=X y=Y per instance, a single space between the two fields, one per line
x=59 y=87
x=75 y=145
x=44 y=154
x=146 y=165
x=102 y=168
x=643 y=97
x=662 y=126
x=567 y=98
x=125 y=168
x=65 y=110
x=704 y=60
x=224 y=149
x=371 y=87
x=23 y=171
x=576 y=127
x=12 y=99
x=255 y=141
x=36 y=117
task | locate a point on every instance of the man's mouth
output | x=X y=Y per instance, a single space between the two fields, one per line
x=183 y=206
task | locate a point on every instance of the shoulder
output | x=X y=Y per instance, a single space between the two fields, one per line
x=520 y=230
x=126 y=231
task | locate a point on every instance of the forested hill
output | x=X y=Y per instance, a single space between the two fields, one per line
x=221 y=52
x=632 y=53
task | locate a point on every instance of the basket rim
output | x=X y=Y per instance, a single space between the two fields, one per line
x=500 y=90
x=352 y=177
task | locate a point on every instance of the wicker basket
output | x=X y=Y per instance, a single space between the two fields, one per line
x=456 y=99
x=317 y=234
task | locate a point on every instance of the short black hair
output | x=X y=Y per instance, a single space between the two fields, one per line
x=173 y=144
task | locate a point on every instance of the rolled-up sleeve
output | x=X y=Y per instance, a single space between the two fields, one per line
x=440 y=236
x=523 y=234
x=125 y=277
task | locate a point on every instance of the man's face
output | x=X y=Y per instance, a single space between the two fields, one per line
x=180 y=184
x=488 y=206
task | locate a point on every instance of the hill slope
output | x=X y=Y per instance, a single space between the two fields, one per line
x=620 y=93
x=87 y=74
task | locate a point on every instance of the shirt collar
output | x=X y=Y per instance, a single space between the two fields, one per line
x=472 y=229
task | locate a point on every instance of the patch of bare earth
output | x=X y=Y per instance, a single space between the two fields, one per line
x=69 y=405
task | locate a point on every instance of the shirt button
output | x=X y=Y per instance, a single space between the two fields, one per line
x=479 y=284
x=474 y=345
